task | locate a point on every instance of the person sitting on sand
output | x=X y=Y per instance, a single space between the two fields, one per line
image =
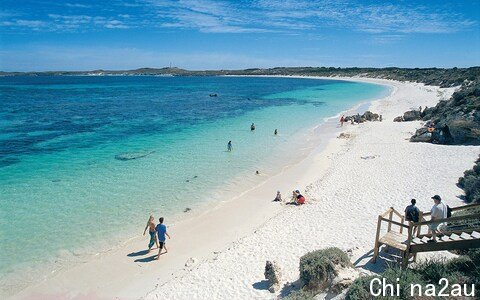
x=278 y=197
x=162 y=232
x=300 y=198
x=297 y=198
x=438 y=212
x=252 y=127
x=151 y=231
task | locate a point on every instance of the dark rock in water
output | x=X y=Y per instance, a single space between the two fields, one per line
x=187 y=209
x=412 y=115
x=133 y=155
x=398 y=119
x=213 y=95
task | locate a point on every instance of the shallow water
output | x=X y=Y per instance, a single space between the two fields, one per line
x=82 y=155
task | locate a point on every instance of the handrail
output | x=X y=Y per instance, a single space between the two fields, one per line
x=386 y=212
x=468 y=206
x=394 y=222
x=459 y=218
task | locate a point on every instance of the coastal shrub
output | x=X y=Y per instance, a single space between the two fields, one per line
x=318 y=267
x=470 y=183
x=360 y=288
x=301 y=295
x=433 y=270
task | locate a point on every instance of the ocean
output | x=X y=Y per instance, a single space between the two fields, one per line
x=84 y=160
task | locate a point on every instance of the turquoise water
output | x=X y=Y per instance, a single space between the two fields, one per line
x=66 y=174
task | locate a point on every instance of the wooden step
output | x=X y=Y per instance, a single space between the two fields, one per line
x=475 y=234
x=455 y=237
x=465 y=236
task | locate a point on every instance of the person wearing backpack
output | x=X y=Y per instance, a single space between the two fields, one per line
x=412 y=214
x=439 y=212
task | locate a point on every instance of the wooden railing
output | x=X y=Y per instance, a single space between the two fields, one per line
x=414 y=228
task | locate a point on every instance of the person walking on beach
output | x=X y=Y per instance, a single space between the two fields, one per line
x=412 y=214
x=342 y=120
x=161 y=230
x=151 y=231
x=252 y=127
x=229 y=146
x=438 y=212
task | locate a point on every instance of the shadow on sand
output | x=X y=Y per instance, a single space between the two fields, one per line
x=261 y=285
x=139 y=253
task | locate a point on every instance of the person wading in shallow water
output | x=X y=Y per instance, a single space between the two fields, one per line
x=162 y=234
x=151 y=231
x=252 y=127
x=275 y=132
x=229 y=146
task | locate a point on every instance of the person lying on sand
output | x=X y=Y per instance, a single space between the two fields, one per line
x=278 y=197
x=162 y=233
x=151 y=231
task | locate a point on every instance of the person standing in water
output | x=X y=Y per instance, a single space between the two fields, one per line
x=162 y=234
x=151 y=231
x=252 y=127
x=342 y=120
x=229 y=146
x=275 y=132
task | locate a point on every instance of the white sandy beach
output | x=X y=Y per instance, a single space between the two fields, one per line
x=347 y=184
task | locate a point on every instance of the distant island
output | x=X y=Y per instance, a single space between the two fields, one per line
x=430 y=76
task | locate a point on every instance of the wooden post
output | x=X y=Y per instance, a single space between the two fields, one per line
x=419 y=227
x=402 y=221
x=377 y=238
x=406 y=254
x=390 y=216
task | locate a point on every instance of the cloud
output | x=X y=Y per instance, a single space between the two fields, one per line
x=256 y=16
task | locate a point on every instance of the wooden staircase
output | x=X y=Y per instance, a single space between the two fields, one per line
x=462 y=231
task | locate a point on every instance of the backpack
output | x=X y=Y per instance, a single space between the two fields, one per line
x=449 y=211
x=412 y=214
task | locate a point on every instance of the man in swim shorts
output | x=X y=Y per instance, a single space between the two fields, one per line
x=162 y=234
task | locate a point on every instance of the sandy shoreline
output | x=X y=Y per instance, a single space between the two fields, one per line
x=231 y=241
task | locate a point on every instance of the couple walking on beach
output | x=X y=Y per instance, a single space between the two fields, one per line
x=158 y=235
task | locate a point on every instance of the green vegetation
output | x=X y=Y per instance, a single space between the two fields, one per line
x=360 y=289
x=429 y=76
x=318 y=267
x=470 y=183
x=464 y=269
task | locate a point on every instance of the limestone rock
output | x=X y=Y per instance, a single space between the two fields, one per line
x=412 y=115
x=273 y=274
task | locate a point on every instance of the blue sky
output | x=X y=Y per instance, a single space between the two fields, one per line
x=208 y=34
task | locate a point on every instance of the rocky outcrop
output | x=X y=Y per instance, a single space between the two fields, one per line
x=457 y=120
x=412 y=115
x=367 y=116
x=273 y=275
